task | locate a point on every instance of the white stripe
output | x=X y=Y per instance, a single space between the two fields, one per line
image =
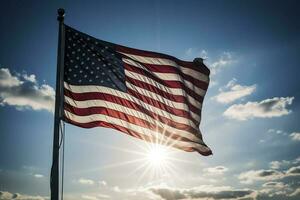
x=162 y=61
x=168 y=77
x=106 y=90
x=133 y=127
x=132 y=112
x=171 y=91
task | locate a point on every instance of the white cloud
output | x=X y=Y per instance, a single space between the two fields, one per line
x=295 y=136
x=89 y=197
x=278 y=164
x=295 y=193
x=225 y=59
x=233 y=91
x=283 y=163
x=218 y=170
x=4 y=195
x=85 y=181
x=267 y=108
x=24 y=92
x=7 y=80
x=102 y=183
x=259 y=175
x=30 y=78
x=38 y=175
x=192 y=53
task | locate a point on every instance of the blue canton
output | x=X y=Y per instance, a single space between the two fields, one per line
x=89 y=61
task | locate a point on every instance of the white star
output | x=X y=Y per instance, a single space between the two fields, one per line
x=75 y=75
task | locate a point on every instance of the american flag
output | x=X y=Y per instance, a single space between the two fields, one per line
x=148 y=95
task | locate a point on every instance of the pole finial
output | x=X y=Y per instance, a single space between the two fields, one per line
x=61 y=14
x=198 y=61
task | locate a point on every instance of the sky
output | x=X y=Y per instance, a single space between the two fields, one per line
x=250 y=116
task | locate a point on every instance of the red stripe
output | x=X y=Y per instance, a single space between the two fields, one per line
x=170 y=84
x=126 y=117
x=131 y=133
x=162 y=106
x=130 y=104
x=202 y=68
x=175 y=98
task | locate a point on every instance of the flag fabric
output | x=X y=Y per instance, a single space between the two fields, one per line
x=151 y=96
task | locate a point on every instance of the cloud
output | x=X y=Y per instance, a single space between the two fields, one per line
x=225 y=59
x=295 y=136
x=38 y=175
x=283 y=163
x=202 y=192
x=89 y=197
x=251 y=176
x=274 y=185
x=102 y=183
x=279 y=164
x=295 y=193
x=267 y=108
x=218 y=170
x=259 y=175
x=85 y=181
x=4 y=195
x=293 y=171
x=233 y=92
x=192 y=53
x=23 y=92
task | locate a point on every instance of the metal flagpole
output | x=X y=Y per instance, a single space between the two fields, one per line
x=54 y=179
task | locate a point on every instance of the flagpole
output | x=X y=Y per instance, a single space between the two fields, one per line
x=54 y=179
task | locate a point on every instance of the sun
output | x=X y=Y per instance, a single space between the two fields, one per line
x=157 y=156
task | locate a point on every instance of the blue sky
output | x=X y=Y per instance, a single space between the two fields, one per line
x=250 y=116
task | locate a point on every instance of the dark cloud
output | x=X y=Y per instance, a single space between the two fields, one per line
x=168 y=194
x=203 y=192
